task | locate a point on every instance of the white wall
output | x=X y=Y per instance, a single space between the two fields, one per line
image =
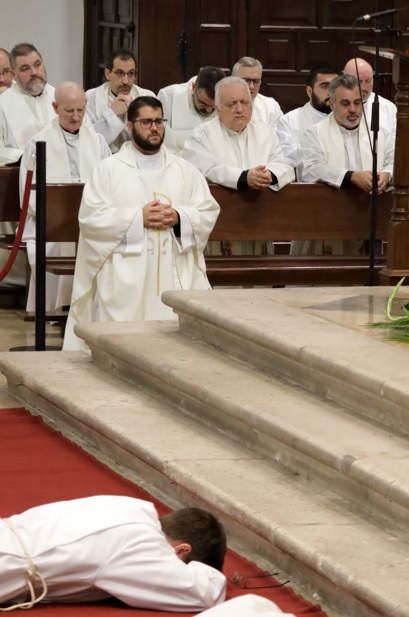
x=55 y=27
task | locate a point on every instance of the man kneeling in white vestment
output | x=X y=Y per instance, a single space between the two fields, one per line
x=237 y=151
x=338 y=151
x=73 y=148
x=145 y=218
x=99 y=547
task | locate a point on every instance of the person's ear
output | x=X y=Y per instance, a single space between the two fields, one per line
x=182 y=550
x=193 y=85
x=106 y=73
x=55 y=106
x=309 y=91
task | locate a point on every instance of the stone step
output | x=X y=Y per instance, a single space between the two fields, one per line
x=355 y=565
x=343 y=365
x=357 y=459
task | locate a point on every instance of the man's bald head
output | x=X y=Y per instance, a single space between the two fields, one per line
x=69 y=105
x=362 y=70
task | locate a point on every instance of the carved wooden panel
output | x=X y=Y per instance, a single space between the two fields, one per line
x=290 y=38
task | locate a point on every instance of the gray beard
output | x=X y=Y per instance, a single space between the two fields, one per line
x=33 y=88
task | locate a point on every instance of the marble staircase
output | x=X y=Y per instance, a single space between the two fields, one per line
x=259 y=406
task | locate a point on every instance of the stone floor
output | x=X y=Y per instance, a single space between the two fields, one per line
x=334 y=304
x=14 y=332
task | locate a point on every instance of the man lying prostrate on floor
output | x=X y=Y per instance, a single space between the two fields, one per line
x=107 y=546
x=248 y=605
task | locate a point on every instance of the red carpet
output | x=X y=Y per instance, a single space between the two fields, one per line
x=38 y=465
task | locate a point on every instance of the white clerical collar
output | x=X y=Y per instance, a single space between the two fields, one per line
x=346 y=131
x=232 y=133
x=70 y=137
x=317 y=115
x=148 y=161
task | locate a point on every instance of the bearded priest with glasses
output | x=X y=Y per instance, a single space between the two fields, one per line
x=145 y=218
x=107 y=105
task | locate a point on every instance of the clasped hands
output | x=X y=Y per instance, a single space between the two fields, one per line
x=259 y=177
x=157 y=215
x=363 y=180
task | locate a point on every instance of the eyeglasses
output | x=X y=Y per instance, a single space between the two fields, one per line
x=146 y=123
x=5 y=72
x=122 y=74
x=203 y=103
x=248 y=81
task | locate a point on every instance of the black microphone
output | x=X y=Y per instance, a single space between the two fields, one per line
x=369 y=16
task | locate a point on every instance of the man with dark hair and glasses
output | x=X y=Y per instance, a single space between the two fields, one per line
x=265 y=108
x=189 y=104
x=6 y=72
x=144 y=219
x=108 y=104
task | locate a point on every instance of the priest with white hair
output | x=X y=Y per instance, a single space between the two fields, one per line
x=239 y=152
x=73 y=148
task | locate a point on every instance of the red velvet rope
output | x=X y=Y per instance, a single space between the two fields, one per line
x=23 y=215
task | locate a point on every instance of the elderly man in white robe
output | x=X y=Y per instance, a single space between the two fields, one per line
x=362 y=70
x=238 y=152
x=188 y=105
x=145 y=218
x=91 y=549
x=6 y=72
x=338 y=151
x=25 y=108
x=73 y=149
x=265 y=108
x=107 y=105
x=292 y=125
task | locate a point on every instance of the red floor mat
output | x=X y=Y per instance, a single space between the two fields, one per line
x=38 y=465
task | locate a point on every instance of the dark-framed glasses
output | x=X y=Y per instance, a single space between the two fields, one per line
x=146 y=123
x=121 y=74
x=249 y=81
x=5 y=72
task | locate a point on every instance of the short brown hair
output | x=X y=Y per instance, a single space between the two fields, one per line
x=22 y=49
x=202 y=531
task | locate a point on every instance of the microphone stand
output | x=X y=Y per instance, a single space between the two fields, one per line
x=375 y=132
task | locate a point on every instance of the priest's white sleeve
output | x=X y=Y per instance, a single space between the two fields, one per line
x=9 y=151
x=314 y=166
x=108 y=125
x=148 y=574
x=281 y=166
x=198 y=151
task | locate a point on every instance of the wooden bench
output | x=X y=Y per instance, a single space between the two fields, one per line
x=10 y=213
x=297 y=212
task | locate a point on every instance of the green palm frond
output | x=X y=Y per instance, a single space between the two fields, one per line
x=398 y=327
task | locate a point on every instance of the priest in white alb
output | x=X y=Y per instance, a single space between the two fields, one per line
x=338 y=151
x=188 y=105
x=73 y=148
x=238 y=152
x=107 y=105
x=25 y=108
x=145 y=218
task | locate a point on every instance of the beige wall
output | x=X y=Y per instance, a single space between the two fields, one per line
x=55 y=27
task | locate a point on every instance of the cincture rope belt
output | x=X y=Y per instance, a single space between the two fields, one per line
x=32 y=575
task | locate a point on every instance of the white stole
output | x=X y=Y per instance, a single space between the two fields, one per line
x=21 y=119
x=258 y=144
x=58 y=167
x=332 y=143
